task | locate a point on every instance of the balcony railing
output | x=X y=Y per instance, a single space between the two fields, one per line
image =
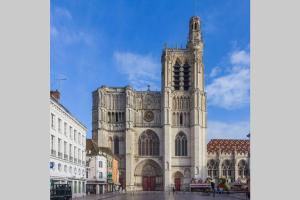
x=60 y=154
x=53 y=152
x=65 y=156
x=75 y=160
x=83 y=163
x=71 y=158
x=79 y=162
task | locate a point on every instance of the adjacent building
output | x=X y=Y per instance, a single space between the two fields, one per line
x=229 y=158
x=96 y=169
x=102 y=169
x=67 y=147
x=158 y=136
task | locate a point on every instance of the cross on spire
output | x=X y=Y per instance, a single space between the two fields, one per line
x=148 y=87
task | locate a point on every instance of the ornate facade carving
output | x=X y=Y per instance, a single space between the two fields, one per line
x=175 y=112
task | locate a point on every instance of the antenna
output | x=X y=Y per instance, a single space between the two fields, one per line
x=59 y=82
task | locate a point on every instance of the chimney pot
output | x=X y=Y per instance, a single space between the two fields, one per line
x=55 y=94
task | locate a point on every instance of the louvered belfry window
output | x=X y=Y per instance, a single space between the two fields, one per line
x=181 y=76
x=176 y=76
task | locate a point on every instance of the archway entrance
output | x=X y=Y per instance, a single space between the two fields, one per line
x=148 y=176
x=178 y=180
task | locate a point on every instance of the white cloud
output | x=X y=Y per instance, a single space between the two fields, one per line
x=232 y=90
x=240 y=58
x=67 y=35
x=63 y=31
x=215 y=72
x=142 y=70
x=63 y=12
x=225 y=130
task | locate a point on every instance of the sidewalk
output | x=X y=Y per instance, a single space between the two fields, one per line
x=98 y=196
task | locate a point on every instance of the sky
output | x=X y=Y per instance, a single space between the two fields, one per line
x=119 y=43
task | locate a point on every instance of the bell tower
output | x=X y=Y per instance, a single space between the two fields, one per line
x=184 y=107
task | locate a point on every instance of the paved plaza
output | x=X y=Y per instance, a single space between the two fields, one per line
x=164 y=196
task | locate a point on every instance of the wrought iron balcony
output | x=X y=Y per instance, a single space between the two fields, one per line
x=75 y=160
x=60 y=154
x=71 y=158
x=65 y=156
x=53 y=152
x=79 y=161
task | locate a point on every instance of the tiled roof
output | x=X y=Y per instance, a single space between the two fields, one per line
x=93 y=147
x=228 y=145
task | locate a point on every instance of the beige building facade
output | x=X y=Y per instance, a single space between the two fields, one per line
x=158 y=136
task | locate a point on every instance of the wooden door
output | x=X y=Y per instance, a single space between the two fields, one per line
x=177 y=184
x=148 y=183
x=152 y=183
x=145 y=183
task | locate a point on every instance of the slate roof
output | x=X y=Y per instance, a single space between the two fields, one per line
x=228 y=146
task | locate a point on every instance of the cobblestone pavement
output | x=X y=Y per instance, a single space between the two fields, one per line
x=164 y=196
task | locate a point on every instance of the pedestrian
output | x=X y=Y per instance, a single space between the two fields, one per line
x=173 y=189
x=212 y=184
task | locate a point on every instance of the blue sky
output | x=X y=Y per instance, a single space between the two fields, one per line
x=118 y=43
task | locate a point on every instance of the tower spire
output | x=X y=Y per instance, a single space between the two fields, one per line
x=194 y=32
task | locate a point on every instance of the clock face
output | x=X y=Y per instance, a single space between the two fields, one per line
x=149 y=116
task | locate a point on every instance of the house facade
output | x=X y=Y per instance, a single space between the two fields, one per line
x=67 y=147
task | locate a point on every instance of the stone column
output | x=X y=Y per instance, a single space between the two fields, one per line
x=167 y=140
x=130 y=139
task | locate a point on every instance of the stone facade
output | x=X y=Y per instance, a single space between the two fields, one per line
x=158 y=136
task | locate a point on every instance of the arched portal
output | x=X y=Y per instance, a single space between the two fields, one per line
x=148 y=176
x=178 y=180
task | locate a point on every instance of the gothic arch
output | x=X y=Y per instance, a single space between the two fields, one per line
x=181 y=144
x=242 y=168
x=148 y=143
x=178 y=61
x=148 y=171
x=140 y=169
x=212 y=168
x=227 y=169
x=178 y=174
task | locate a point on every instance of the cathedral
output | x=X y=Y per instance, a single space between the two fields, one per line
x=159 y=137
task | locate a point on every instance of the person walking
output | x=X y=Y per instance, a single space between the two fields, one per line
x=173 y=189
x=212 y=184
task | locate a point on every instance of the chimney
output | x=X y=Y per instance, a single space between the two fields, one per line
x=55 y=94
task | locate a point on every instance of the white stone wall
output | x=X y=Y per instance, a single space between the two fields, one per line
x=71 y=171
